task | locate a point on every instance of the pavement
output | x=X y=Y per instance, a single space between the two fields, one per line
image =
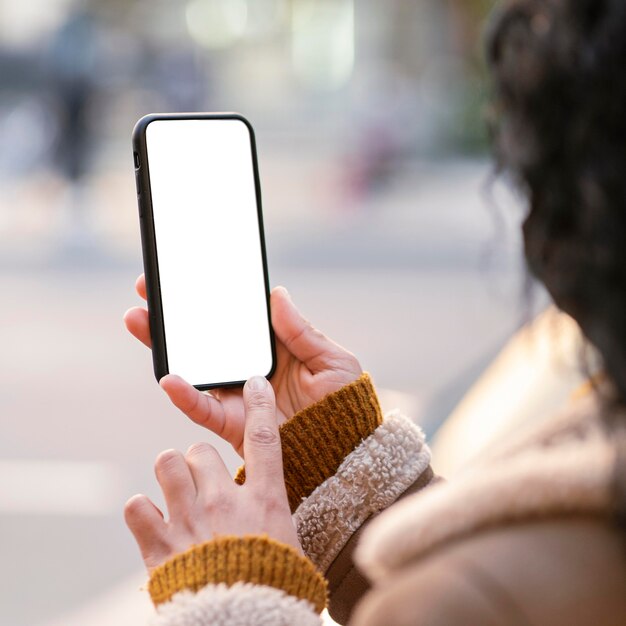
x=421 y=282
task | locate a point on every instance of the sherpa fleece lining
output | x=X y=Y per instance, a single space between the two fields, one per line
x=242 y=604
x=369 y=480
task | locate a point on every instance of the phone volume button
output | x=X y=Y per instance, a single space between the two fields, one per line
x=139 y=198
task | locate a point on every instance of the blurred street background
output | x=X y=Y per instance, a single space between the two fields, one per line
x=382 y=219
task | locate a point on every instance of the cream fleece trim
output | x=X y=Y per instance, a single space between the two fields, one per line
x=242 y=604
x=369 y=480
x=559 y=475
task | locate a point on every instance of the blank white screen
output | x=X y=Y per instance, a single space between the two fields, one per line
x=209 y=250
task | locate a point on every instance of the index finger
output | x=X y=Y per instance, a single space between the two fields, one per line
x=261 y=444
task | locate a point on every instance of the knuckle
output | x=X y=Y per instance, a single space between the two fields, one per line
x=311 y=334
x=190 y=403
x=274 y=503
x=260 y=401
x=187 y=521
x=271 y=502
x=344 y=363
x=352 y=362
x=337 y=362
x=263 y=435
x=316 y=333
x=220 y=504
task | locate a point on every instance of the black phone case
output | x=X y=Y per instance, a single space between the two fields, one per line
x=149 y=247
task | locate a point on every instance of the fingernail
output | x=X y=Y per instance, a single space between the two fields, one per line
x=257 y=383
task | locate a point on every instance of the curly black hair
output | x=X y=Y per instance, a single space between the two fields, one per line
x=559 y=128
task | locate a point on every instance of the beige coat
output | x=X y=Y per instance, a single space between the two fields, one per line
x=526 y=537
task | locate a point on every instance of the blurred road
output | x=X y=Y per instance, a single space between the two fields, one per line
x=422 y=284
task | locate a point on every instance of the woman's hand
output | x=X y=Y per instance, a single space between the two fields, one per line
x=203 y=501
x=309 y=367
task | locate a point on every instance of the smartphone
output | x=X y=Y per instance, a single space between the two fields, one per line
x=203 y=245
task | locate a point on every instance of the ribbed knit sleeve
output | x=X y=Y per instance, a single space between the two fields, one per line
x=316 y=440
x=230 y=560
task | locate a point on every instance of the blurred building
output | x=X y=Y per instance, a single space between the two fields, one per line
x=400 y=78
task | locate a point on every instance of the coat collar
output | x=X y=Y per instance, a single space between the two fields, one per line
x=563 y=468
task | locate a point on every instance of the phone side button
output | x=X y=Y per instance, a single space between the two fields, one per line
x=139 y=199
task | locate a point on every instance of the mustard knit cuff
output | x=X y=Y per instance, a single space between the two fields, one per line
x=316 y=440
x=252 y=559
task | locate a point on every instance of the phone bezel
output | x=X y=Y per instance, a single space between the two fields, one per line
x=149 y=246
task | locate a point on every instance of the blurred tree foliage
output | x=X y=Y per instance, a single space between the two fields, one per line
x=468 y=19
